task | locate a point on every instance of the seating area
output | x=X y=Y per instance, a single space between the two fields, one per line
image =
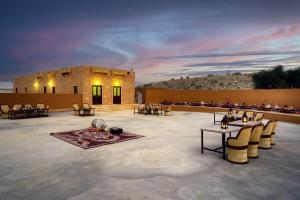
x=151 y=109
x=252 y=135
x=168 y=157
x=263 y=107
x=84 y=110
x=19 y=111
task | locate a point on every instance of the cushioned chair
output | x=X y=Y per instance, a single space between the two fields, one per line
x=237 y=146
x=5 y=111
x=141 y=109
x=250 y=114
x=88 y=109
x=240 y=112
x=17 y=112
x=258 y=116
x=254 y=141
x=265 y=138
x=76 y=109
x=168 y=111
x=275 y=123
x=42 y=110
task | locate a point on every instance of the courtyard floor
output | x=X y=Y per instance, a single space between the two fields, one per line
x=165 y=164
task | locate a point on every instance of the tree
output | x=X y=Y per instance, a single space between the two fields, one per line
x=277 y=78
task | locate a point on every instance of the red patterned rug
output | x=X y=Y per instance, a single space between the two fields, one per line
x=87 y=138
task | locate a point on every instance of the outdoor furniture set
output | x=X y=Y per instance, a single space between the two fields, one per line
x=152 y=109
x=19 y=111
x=251 y=136
x=85 y=110
x=263 y=107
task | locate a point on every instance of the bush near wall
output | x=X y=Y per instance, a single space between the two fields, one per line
x=277 y=78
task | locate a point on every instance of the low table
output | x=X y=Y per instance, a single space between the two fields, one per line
x=243 y=124
x=218 y=130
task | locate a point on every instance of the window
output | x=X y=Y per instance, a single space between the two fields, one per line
x=45 y=90
x=16 y=90
x=53 y=90
x=25 y=89
x=75 y=89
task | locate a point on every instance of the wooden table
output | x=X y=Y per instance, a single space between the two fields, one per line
x=217 y=129
x=243 y=124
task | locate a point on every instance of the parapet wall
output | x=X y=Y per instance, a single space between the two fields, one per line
x=55 y=101
x=279 y=97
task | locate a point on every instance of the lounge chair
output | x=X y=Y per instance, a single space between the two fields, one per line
x=250 y=115
x=168 y=111
x=42 y=110
x=88 y=110
x=240 y=112
x=237 y=146
x=29 y=111
x=265 y=138
x=141 y=109
x=275 y=124
x=258 y=116
x=254 y=141
x=76 y=109
x=17 y=111
x=5 y=111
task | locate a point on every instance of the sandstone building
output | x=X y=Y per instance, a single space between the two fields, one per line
x=97 y=85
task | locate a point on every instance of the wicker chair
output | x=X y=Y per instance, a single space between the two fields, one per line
x=250 y=114
x=17 y=112
x=42 y=110
x=237 y=146
x=240 y=112
x=254 y=141
x=275 y=123
x=76 y=109
x=5 y=111
x=141 y=109
x=265 y=138
x=88 y=110
x=168 y=111
x=234 y=111
x=258 y=116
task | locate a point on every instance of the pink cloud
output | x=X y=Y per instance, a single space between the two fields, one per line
x=282 y=33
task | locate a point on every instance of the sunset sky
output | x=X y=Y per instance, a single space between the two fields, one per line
x=158 y=39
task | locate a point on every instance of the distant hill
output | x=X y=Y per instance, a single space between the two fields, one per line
x=212 y=82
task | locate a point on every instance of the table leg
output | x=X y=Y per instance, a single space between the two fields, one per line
x=214 y=118
x=201 y=141
x=223 y=144
x=134 y=110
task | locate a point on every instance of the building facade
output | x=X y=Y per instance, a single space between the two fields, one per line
x=97 y=85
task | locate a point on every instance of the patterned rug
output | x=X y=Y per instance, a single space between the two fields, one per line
x=88 y=138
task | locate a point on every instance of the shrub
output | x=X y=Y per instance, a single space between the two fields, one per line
x=277 y=78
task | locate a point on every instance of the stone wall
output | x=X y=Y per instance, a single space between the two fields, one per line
x=84 y=77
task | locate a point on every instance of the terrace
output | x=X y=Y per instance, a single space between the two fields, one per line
x=165 y=164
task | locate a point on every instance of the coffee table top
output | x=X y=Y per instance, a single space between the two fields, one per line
x=218 y=129
x=243 y=124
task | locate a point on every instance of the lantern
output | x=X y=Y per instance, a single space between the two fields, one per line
x=230 y=111
x=224 y=123
x=244 y=118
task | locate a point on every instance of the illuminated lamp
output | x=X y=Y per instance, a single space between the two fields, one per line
x=116 y=83
x=224 y=123
x=97 y=82
x=36 y=85
x=50 y=83
x=244 y=118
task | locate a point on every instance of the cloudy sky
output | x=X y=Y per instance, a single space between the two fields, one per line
x=158 y=39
